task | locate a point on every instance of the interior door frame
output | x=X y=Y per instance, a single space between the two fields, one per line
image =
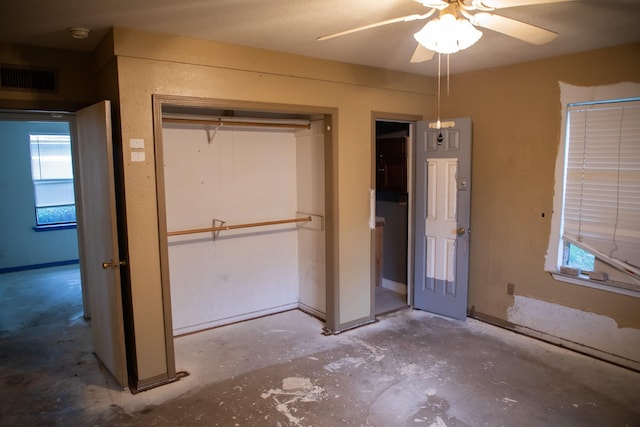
x=332 y=321
x=411 y=120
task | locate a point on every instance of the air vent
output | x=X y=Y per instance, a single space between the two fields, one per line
x=37 y=79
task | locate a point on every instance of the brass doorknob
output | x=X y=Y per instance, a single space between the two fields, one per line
x=112 y=264
x=460 y=231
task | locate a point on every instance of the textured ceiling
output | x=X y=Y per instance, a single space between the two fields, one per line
x=293 y=26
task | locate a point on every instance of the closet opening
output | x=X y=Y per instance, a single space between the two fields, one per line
x=245 y=210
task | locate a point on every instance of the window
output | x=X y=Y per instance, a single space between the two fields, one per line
x=602 y=181
x=52 y=174
x=598 y=235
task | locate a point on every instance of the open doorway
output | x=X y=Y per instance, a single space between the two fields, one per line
x=38 y=230
x=43 y=314
x=392 y=160
x=46 y=265
x=36 y=172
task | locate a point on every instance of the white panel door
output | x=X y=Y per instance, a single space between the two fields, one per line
x=443 y=198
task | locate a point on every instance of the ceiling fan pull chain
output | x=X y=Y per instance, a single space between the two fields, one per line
x=448 y=74
x=438 y=115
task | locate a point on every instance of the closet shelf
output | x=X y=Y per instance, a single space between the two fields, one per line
x=233 y=122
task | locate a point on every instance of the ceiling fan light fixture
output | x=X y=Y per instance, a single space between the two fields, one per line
x=468 y=35
x=448 y=34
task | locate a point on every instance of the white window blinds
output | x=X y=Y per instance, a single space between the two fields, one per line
x=602 y=182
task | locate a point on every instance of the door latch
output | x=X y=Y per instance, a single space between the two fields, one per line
x=113 y=264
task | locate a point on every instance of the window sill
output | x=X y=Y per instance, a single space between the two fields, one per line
x=54 y=227
x=610 y=286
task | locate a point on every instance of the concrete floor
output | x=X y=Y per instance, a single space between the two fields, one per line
x=409 y=369
x=387 y=301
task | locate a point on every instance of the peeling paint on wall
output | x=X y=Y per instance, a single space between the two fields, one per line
x=587 y=332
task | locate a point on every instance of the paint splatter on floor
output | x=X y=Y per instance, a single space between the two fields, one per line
x=294 y=390
x=375 y=353
x=344 y=362
x=438 y=423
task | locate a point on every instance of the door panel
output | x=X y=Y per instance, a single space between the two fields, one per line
x=97 y=236
x=443 y=197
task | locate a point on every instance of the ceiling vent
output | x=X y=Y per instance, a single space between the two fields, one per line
x=33 y=79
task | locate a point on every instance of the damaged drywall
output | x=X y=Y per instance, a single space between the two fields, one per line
x=580 y=330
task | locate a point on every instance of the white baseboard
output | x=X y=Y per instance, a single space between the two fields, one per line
x=233 y=319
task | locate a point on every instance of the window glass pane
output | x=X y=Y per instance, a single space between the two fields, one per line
x=54 y=192
x=56 y=215
x=51 y=157
x=52 y=173
x=578 y=258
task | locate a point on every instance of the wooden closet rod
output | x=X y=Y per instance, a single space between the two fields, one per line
x=232 y=227
x=222 y=122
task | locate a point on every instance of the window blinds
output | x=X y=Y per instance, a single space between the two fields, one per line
x=602 y=182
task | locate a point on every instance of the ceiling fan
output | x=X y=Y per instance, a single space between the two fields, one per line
x=455 y=27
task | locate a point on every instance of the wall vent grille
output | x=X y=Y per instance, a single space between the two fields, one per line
x=33 y=79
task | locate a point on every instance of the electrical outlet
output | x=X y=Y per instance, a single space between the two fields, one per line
x=511 y=289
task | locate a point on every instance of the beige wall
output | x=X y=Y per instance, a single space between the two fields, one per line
x=516 y=116
x=150 y=64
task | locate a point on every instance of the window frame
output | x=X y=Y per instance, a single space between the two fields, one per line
x=618 y=282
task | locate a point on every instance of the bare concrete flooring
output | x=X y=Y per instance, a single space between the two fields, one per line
x=408 y=369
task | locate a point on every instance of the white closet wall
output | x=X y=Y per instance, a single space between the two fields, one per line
x=311 y=238
x=242 y=175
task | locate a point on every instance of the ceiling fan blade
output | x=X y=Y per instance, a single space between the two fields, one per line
x=501 y=4
x=407 y=18
x=421 y=54
x=439 y=4
x=517 y=29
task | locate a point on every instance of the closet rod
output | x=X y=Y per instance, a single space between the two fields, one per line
x=222 y=122
x=232 y=227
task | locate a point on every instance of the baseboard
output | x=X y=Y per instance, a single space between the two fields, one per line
x=580 y=348
x=351 y=325
x=560 y=342
x=399 y=288
x=185 y=330
x=149 y=383
x=37 y=266
x=312 y=312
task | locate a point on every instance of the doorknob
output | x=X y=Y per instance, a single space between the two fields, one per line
x=460 y=231
x=113 y=265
